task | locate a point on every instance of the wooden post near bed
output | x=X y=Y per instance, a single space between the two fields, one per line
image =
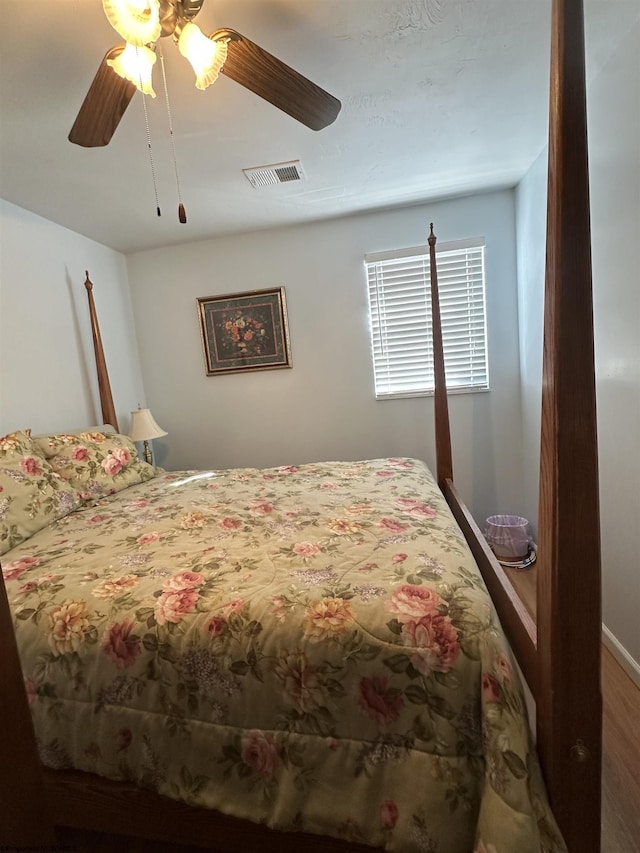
x=104 y=386
x=569 y=585
x=444 y=461
x=24 y=819
x=560 y=657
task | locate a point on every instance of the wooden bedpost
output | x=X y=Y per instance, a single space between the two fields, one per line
x=104 y=386
x=24 y=822
x=516 y=621
x=444 y=463
x=569 y=717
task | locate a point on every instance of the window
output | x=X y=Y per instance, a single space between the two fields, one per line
x=400 y=313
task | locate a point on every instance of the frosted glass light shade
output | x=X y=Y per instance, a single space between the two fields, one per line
x=206 y=56
x=137 y=21
x=136 y=65
x=144 y=427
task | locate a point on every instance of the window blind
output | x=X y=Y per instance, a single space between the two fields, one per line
x=400 y=319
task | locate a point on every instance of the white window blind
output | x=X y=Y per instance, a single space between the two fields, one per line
x=400 y=313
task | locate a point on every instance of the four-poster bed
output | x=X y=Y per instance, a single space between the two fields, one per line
x=559 y=655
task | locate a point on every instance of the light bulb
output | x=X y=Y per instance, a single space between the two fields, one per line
x=137 y=21
x=206 y=56
x=136 y=64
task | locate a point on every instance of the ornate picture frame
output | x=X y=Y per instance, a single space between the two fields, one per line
x=244 y=331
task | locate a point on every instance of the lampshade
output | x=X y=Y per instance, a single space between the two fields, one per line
x=137 y=21
x=144 y=427
x=136 y=64
x=206 y=56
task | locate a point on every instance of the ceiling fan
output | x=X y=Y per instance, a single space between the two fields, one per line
x=143 y=22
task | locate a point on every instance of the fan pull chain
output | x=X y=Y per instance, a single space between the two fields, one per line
x=182 y=215
x=153 y=170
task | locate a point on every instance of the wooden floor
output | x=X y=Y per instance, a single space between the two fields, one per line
x=620 y=759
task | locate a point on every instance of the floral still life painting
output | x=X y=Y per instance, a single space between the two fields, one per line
x=246 y=331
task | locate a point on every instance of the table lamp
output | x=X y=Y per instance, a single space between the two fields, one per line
x=144 y=428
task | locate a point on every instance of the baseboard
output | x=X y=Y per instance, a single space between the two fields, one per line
x=629 y=664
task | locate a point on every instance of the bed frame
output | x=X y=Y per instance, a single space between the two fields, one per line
x=558 y=652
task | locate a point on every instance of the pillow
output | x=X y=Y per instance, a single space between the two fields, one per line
x=95 y=463
x=32 y=495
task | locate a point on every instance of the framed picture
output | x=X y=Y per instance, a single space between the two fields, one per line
x=244 y=331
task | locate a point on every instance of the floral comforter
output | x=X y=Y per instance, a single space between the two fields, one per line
x=309 y=647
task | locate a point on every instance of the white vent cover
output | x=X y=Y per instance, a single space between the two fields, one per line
x=277 y=173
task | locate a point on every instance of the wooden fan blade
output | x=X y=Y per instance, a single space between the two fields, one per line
x=266 y=76
x=104 y=105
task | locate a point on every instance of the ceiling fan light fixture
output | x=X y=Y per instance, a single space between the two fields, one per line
x=137 y=21
x=136 y=65
x=207 y=56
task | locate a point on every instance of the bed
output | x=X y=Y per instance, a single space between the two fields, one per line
x=397 y=720
x=295 y=646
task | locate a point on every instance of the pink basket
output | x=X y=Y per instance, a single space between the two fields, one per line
x=508 y=536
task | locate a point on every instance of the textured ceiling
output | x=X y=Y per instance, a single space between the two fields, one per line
x=440 y=97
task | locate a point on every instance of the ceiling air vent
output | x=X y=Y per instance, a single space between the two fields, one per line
x=278 y=173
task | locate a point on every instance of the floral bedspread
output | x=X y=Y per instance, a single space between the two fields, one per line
x=309 y=647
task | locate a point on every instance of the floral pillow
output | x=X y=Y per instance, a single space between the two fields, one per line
x=95 y=463
x=32 y=495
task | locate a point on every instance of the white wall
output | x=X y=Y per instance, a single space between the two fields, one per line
x=613 y=101
x=47 y=367
x=614 y=132
x=324 y=408
x=531 y=221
